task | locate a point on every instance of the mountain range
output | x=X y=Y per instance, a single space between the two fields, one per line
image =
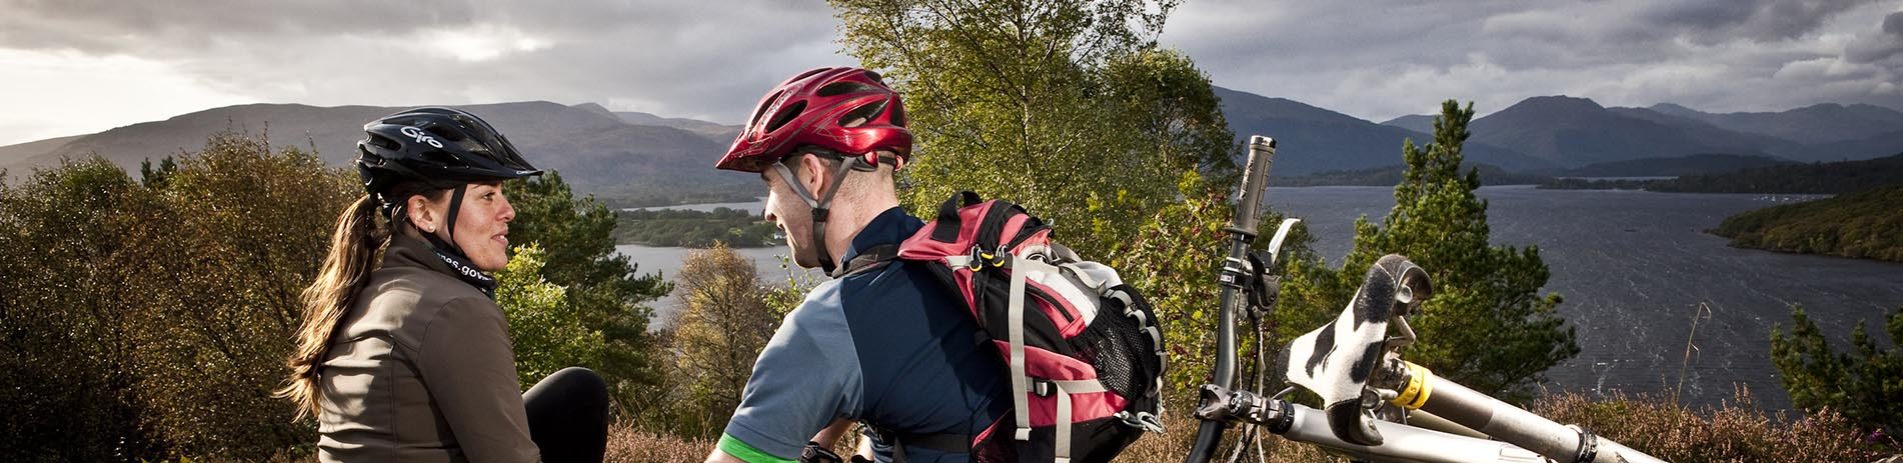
x=626 y=152
x=598 y=150
x=1573 y=132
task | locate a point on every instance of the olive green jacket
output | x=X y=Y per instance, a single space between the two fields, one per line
x=421 y=370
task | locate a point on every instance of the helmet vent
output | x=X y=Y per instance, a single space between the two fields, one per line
x=844 y=87
x=761 y=111
x=859 y=116
x=786 y=115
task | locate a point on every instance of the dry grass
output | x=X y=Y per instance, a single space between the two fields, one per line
x=629 y=445
x=1735 y=432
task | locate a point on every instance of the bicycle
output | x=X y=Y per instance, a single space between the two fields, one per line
x=1377 y=407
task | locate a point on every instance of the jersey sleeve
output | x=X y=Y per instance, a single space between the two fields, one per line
x=807 y=376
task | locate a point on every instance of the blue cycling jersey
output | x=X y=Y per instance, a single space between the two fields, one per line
x=890 y=347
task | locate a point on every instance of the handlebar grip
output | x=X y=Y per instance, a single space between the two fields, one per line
x=1255 y=174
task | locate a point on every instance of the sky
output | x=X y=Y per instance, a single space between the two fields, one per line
x=70 y=67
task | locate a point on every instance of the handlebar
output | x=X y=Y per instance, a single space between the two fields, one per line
x=1233 y=278
x=1353 y=364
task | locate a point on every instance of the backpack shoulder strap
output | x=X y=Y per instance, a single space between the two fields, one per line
x=872 y=258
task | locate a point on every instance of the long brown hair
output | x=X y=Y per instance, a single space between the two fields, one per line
x=354 y=246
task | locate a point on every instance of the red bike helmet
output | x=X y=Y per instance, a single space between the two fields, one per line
x=849 y=112
x=846 y=114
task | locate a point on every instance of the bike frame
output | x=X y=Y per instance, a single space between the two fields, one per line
x=1461 y=419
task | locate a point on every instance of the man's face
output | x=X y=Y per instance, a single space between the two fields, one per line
x=794 y=218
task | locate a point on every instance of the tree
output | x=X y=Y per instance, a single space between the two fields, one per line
x=217 y=294
x=1173 y=257
x=725 y=321
x=603 y=288
x=1486 y=326
x=155 y=178
x=68 y=391
x=154 y=318
x=1066 y=107
x=1863 y=384
x=1071 y=109
x=548 y=333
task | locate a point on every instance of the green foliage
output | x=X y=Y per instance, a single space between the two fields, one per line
x=697 y=229
x=150 y=319
x=725 y=321
x=155 y=178
x=1818 y=178
x=603 y=289
x=1174 y=260
x=669 y=193
x=1865 y=224
x=1066 y=107
x=223 y=292
x=66 y=235
x=1391 y=175
x=1070 y=109
x=547 y=331
x=1863 y=384
x=1486 y=326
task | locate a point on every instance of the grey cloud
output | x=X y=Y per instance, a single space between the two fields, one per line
x=699 y=59
x=712 y=60
x=1878 y=45
x=1716 y=21
x=1385 y=58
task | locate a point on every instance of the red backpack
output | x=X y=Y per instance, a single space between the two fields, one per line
x=1084 y=351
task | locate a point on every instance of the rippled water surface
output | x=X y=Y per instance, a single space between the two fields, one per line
x=1633 y=267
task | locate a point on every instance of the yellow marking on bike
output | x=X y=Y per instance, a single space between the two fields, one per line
x=1415 y=394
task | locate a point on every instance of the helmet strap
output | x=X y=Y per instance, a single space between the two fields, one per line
x=822 y=207
x=453 y=255
x=449 y=219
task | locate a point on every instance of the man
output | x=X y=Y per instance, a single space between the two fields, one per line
x=885 y=345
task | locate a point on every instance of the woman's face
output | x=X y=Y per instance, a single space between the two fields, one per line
x=482 y=225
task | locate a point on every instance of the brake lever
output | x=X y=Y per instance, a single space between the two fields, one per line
x=1264 y=285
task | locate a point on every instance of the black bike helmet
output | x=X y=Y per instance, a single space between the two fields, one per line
x=442 y=147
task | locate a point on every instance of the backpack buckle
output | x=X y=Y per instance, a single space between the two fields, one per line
x=978 y=258
x=1141 y=420
x=1043 y=387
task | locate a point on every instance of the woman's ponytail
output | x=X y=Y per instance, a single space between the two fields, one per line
x=354 y=246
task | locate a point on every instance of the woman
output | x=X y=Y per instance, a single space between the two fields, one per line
x=404 y=354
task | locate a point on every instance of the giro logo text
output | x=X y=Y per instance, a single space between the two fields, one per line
x=421 y=136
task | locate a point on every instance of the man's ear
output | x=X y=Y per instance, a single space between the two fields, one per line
x=816 y=176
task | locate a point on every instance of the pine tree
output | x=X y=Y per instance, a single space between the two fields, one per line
x=1863 y=385
x=1487 y=326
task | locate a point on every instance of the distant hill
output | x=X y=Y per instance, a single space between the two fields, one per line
x=1862 y=224
x=1697 y=164
x=1423 y=123
x=19 y=152
x=1313 y=140
x=594 y=149
x=720 y=134
x=1847 y=150
x=1818 y=178
x=1391 y=175
x=1815 y=124
x=1575 y=132
x=636 y=158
